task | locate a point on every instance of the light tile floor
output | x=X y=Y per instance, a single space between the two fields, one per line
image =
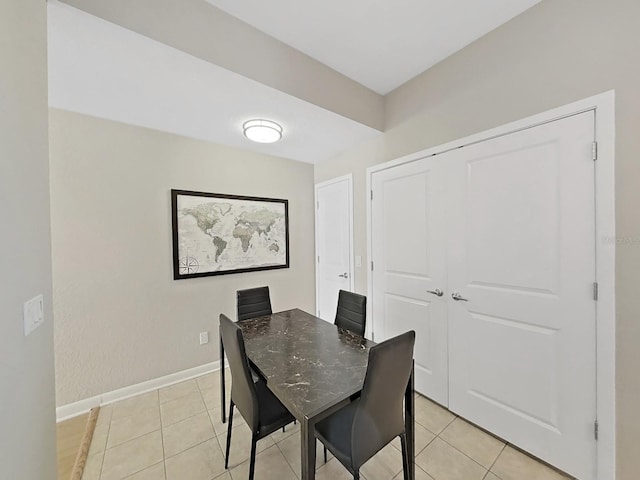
x=175 y=433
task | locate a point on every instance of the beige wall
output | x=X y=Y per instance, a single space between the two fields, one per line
x=557 y=52
x=120 y=317
x=27 y=415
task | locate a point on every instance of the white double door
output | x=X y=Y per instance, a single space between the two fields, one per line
x=488 y=253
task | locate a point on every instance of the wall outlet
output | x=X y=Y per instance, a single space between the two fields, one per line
x=33 y=314
x=204 y=338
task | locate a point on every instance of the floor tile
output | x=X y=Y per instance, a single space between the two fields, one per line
x=202 y=462
x=186 y=434
x=473 y=442
x=210 y=381
x=420 y=475
x=423 y=437
x=211 y=399
x=384 y=465
x=270 y=464
x=431 y=415
x=443 y=462
x=133 y=426
x=101 y=431
x=291 y=429
x=99 y=440
x=132 y=457
x=155 y=472
x=334 y=470
x=515 y=465
x=291 y=449
x=224 y=476
x=490 y=476
x=183 y=407
x=220 y=427
x=92 y=467
x=241 y=445
x=134 y=405
x=178 y=390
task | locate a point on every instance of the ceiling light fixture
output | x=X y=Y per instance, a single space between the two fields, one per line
x=262 y=131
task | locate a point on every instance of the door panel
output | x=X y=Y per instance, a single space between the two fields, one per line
x=409 y=251
x=334 y=244
x=521 y=237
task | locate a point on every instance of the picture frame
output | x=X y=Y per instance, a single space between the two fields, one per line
x=221 y=234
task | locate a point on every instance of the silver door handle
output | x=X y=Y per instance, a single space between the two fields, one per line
x=436 y=292
x=344 y=275
x=458 y=298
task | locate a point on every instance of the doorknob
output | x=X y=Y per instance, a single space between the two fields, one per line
x=344 y=275
x=458 y=298
x=436 y=292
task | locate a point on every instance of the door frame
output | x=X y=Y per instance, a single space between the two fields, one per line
x=349 y=179
x=604 y=107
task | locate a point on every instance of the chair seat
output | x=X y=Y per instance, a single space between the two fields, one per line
x=335 y=432
x=273 y=414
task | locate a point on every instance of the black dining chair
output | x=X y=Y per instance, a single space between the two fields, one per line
x=352 y=312
x=250 y=303
x=253 y=302
x=262 y=411
x=358 y=431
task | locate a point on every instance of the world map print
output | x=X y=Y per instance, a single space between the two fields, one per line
x=225 y=234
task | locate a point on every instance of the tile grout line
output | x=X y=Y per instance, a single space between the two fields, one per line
x=460 y=451
x=494 y=462
x=104 y=452
x=164 y=455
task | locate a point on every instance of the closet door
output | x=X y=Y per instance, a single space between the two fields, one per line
x=521 y=257
x=408 y=248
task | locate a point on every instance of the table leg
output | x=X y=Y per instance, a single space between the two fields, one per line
x=222 y=384
x=308 y=443
x=409 y=416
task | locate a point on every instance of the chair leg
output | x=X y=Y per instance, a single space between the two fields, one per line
x=405 y=456
x=252 y=462
x=229 y=427
x=325 y=454
x=282 y=429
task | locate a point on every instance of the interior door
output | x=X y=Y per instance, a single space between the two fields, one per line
x=521 y=257
x=333 y=244
x=408 y=245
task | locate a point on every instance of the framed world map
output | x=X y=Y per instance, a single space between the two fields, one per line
x=216 y=234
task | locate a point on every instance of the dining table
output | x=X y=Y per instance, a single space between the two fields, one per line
x=314 y=368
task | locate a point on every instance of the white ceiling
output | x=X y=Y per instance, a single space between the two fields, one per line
x=378 y=43
x=101 y=69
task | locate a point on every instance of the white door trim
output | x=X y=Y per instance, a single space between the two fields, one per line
x=604 y=106
x=349 y=179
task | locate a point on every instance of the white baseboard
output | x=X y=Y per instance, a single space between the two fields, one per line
x=74 y=409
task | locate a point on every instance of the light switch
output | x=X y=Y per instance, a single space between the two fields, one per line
x=33 y=313
x=358 y=261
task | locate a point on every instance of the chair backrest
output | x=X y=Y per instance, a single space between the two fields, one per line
x=379 y=415
x=352 y=312
x=243 y=391
x=253 y=302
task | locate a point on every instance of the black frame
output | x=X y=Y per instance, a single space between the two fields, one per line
x=174 y=225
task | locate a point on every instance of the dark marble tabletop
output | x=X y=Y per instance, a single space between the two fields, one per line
x=309 y=364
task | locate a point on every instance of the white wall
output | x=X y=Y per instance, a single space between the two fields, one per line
x=120 y=317
x=553 y=54
x=27 y=418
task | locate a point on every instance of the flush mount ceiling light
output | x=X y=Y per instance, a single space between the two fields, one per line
x=262 y=131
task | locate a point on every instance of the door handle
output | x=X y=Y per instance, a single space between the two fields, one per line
x=458 y=298
x=436 y=292
x=344 y=275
